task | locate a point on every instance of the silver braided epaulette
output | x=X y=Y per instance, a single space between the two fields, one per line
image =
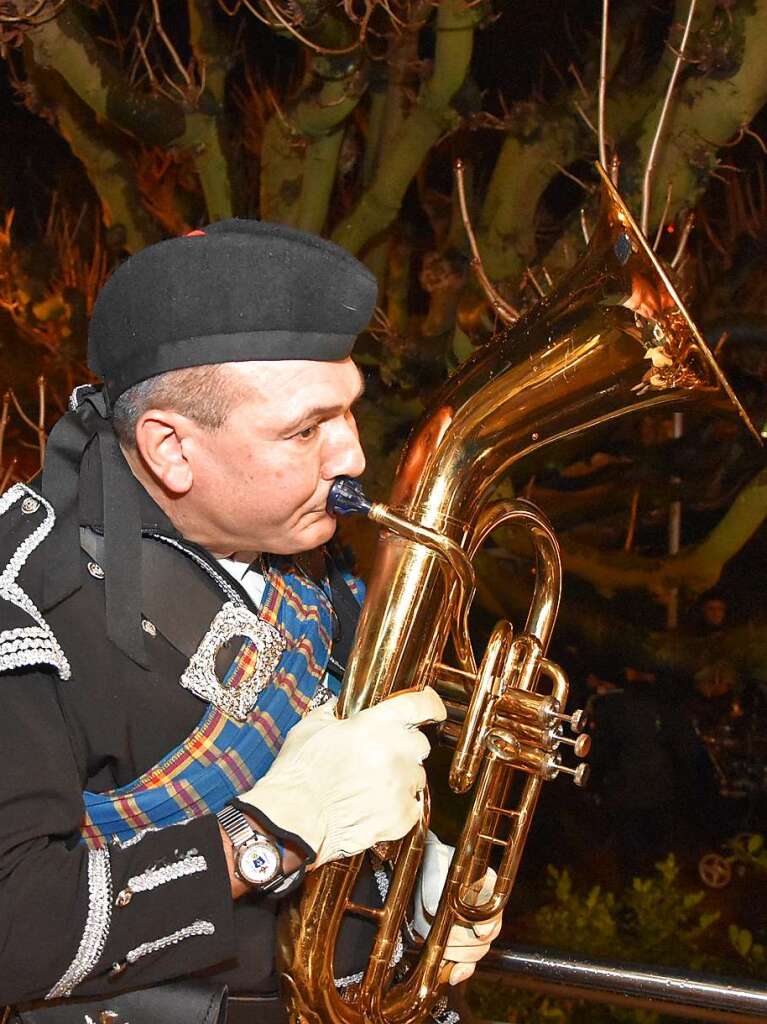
x=33 y=644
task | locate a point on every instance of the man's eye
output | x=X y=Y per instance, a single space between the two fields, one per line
x=306 y=433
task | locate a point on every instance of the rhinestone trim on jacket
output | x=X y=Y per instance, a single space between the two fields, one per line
x=197 y=928
x=96 y=925
x=153 y=877
x=28 y=645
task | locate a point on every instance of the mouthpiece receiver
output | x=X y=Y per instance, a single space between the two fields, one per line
x=346 y=498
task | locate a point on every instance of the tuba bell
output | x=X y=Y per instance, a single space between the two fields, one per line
x=614 y=337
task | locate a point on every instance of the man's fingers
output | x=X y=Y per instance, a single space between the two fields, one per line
x=419 y=781
x=487 y=931
x=468 y=935
x=460 y=973
x=465 y=954
x=481 y=890
x=410 y=708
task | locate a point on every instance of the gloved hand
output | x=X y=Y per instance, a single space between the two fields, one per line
x=466 y=944
x=343 y=785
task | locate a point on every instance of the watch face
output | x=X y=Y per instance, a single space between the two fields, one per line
x=258 y=863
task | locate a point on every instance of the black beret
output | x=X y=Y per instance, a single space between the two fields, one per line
x=233 y=291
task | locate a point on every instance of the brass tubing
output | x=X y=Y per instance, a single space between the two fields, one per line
x=453 y=683
x=530 y=707
x=544 y=737
x=373 y=985
x=662 y=990
x=453 y=557
x=479 y=714
x=451 y=552
x=560 y=685
x=507 y=872
x=548 y=563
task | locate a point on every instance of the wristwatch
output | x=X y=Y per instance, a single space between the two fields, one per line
x=257 y=859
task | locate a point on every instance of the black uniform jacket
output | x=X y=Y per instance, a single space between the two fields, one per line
x=61 y=924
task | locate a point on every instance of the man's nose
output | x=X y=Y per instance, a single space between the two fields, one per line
x=343 y=454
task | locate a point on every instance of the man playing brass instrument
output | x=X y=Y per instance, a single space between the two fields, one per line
x=174 y=629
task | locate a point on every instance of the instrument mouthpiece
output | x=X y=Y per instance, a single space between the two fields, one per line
x=346 y=498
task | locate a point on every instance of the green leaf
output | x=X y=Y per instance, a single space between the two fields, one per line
x=742 y=940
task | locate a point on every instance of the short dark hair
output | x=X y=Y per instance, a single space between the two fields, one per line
x=205 y=394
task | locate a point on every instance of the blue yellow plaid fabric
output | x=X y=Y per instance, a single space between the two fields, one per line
x=222 y=757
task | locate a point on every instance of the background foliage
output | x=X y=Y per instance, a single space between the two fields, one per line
x=345 y=118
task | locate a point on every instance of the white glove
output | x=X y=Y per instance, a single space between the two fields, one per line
x=466 y=944
x=344 y=785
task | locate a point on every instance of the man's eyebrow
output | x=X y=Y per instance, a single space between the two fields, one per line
x=319 y=412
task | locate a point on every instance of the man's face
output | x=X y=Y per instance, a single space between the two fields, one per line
x=261 y=481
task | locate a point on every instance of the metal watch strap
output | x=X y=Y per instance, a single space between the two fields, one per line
x=237 y=826
x=240 y=831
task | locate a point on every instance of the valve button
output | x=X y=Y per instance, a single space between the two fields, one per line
x=578 y=720
x=582 y=745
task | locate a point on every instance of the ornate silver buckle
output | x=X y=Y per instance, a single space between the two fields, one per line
x=200 y=674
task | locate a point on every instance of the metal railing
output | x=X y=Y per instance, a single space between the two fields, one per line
x=681 y=993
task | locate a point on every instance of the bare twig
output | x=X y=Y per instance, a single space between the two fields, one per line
x=39 y=427
x=41 y=435
x=683 y=239
x=574 y=72
x=662 y=221
x=724 y=338
x=20 y=411
x=628 y=544
x=35 y=16
x=750 y=131
x=585 y=227
x=647 y=183
x=289 y=27
x=169 y=45
x=503 y=309
x=8 y=474
x=535 y=283
x=589 y=123
x=615 y=168
x=573 y=177
x=4 y=414
x=603 y=84
x=141 y=48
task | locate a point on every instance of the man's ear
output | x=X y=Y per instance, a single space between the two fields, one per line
x=160 y=437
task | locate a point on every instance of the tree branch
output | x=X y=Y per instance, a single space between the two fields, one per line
x=527 y=163
x=710 y=109
x=205 y=128
x=110 y=173
x=694 y=570
x=300 y=152
x=65 y=45
x=431 y=117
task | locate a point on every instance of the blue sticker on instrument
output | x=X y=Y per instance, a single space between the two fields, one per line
x=622 y=248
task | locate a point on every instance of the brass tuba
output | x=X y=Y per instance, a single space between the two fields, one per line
x=613 y=338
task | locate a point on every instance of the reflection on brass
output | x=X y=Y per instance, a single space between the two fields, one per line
x=612 y=338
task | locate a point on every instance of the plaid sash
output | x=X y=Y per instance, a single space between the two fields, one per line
x=223 y=758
